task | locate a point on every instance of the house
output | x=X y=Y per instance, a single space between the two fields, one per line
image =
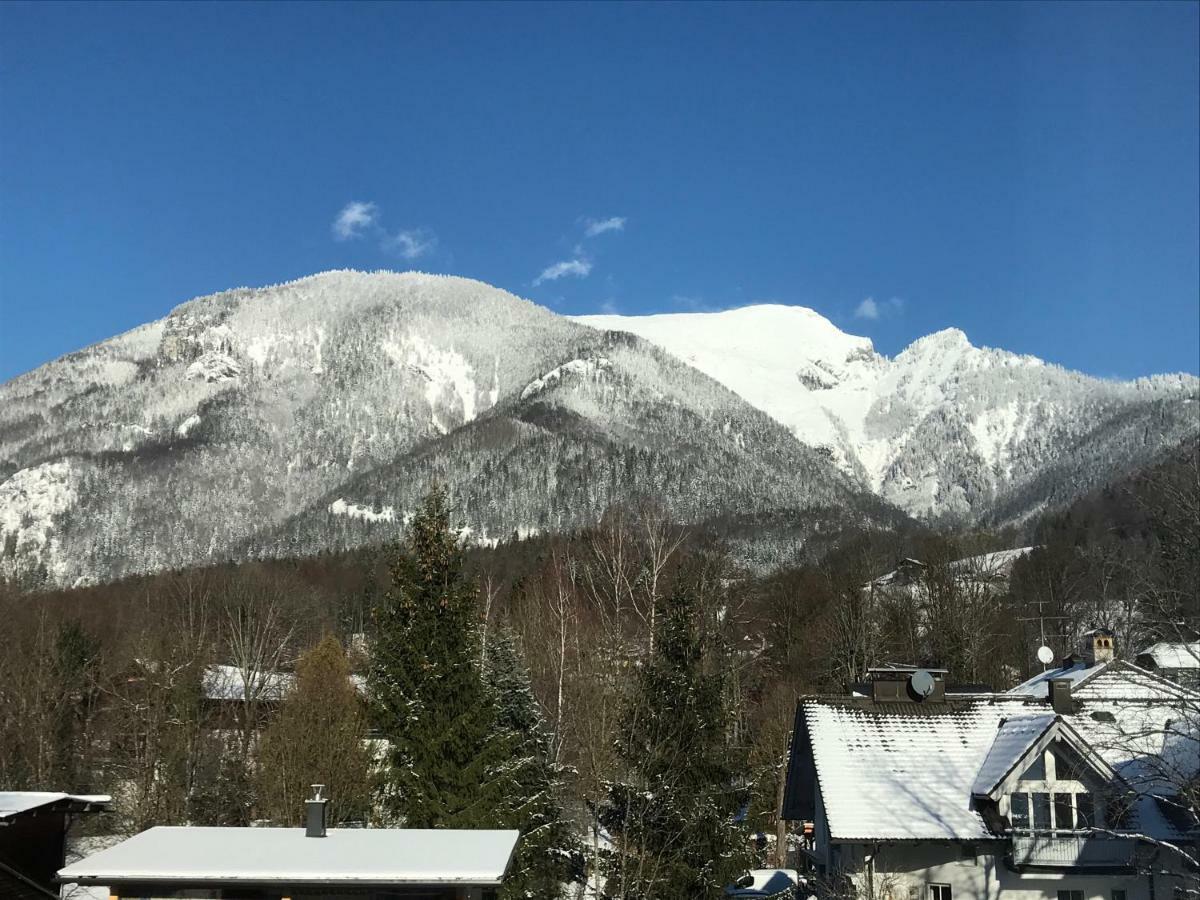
x=33 y=836
x=1066 y=787
x=987 y=572
x=1178 y=661
x=310 y=862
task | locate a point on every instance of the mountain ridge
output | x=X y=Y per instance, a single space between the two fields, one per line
x=312 y=414
x=875 y=415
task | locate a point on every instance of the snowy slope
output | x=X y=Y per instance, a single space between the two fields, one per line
x=315 y=414
x=944 y=428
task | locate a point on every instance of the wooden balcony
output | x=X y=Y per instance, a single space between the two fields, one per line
x=1072 y=851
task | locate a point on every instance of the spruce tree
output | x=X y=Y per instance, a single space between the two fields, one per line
x=448 y=762
x=672 y=818
x=549 y=854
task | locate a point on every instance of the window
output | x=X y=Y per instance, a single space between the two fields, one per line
x=939 y=892
x=1036 y=771
x=1019 y=811
x=1070 y=895
x=1066 y=766
x=1041 y=812
x=1085 y=812
x=1064 y=817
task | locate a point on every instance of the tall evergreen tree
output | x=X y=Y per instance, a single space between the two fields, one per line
x=449 y=763
x=549 y=854
x=673 y=817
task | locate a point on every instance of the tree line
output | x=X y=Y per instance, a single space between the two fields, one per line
x=622 y=694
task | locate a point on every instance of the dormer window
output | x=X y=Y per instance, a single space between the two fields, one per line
x=1054 y=794
x=1043 y=811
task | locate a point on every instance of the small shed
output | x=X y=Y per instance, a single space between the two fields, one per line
x=278 y=863
x=33 y=834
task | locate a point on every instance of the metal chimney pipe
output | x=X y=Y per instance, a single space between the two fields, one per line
x=315 y=813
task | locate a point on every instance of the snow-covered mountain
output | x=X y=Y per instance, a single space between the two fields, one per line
x=944 y=428
x=314 y=415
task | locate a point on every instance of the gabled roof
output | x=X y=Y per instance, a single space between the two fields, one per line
x=907 y=771
x=1121 y=680
x=1166 y=655
x=1014 y=741
x=14 y=803
x=1115 y=679
x=891 y=775
x=362 y=856
x=1017 y=743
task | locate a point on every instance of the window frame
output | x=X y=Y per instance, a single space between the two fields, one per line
x=1029 y=820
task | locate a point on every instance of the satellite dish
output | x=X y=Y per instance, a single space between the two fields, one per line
x=1045 y=655
x=921 y=682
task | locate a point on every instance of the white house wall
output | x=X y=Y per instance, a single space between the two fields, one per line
x=903 y=872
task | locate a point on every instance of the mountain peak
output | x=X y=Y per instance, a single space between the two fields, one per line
x=940 y=341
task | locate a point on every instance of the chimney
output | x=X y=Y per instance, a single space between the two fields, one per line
x=315 y=813
x=1097 y=646
x=1060 y=696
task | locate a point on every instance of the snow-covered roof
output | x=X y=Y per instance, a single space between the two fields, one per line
x=231 y=683
x=1122 y=680
x=903 y=775
x=1115 y=679
x=991 y=565
x=13 y=803
x=222 y=682
x=984 y=567
x=766 y=883
x=375 y=856
x=1038 y=686
x=1183 y=655
x=1020 y=739
x=894 y=771
x=1014 y=738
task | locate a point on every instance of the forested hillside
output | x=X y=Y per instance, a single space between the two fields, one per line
x=312 y=416
x=580 y=608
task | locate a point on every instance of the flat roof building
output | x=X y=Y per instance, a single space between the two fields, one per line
x=275 y=863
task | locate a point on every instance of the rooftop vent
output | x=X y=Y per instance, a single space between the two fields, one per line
x=315 y=813
x=1060 y=696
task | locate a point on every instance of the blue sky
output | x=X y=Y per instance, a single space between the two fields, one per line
x=1028 y=173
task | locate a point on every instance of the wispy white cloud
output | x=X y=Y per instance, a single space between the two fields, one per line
x=872 y=309
x=577 y=268
x=609 y=308
x=410 y=243
x=359 y=219
x=868 y=309
x=355 y=218
x=593 y=227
